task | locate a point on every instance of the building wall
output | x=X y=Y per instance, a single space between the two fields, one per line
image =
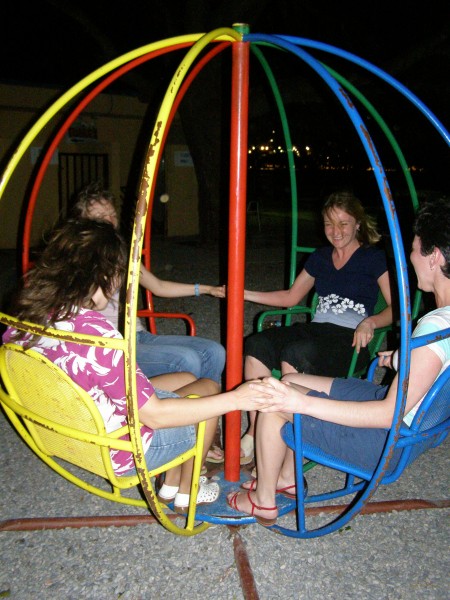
x=113 y=127
x=181 y=187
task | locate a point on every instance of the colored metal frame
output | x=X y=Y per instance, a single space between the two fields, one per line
x=240 y=41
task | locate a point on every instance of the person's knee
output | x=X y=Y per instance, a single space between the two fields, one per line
x=191 y=362
x=217 y=352
x=251 y=361
x=214 y=356
x=286 y=368
x=206 y=387
x=211 y=385
x=188 y=377
x=289 y=377
x=254 y=368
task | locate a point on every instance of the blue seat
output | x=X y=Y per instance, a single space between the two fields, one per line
x=428 y=429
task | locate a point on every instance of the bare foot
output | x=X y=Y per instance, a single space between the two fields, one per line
x=215 y=455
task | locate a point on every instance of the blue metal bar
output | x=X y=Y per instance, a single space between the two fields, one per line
x=401 y=265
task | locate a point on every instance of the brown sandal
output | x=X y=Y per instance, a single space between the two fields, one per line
x=265 y=522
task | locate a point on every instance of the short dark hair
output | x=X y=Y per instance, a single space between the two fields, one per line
x=432 y=226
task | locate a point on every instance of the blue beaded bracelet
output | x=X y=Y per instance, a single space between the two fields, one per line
x=197 y=289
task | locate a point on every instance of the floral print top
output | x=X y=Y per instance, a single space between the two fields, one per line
x=347 y=295
x=99 y=371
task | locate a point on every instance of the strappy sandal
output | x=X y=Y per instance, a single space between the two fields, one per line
x=265 y=522
x=207 y=494
x=283 y=491
x=248 y=448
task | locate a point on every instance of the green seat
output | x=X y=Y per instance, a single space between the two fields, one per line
x=309 y=310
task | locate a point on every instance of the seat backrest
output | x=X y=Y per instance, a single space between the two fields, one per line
x=431 y=422
x=435 y=407
x=42 y=388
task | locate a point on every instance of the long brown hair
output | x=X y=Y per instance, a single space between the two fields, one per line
x=367 y=234
x=80 y=257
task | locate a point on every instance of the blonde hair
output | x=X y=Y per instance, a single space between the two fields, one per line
x=367 y=233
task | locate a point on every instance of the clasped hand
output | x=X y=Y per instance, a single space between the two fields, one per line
x=280 y=396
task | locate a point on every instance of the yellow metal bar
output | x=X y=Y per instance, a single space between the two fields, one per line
x=147 y=179
x=79 y=338
x=76 y=89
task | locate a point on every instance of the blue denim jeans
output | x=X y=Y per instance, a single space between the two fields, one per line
x=159 y=354
x=167 y=443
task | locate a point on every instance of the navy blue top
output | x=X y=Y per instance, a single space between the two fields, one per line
x=347 y=295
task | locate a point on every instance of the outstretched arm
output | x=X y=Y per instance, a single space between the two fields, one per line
x=173 y=289
x=283 y=298
x=292 y=398
x=176 y=412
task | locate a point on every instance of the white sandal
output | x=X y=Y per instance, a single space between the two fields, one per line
x=248 y=447
x=207 y=494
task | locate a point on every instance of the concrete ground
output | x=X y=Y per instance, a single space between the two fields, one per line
x=400 y=555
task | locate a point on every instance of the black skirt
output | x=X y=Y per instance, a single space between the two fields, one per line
x=313 y=348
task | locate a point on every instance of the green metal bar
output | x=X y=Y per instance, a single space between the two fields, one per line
x=290 y=155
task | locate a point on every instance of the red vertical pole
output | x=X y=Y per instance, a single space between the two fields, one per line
x=236 y=247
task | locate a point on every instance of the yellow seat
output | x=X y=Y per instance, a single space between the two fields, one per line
x=60 y=422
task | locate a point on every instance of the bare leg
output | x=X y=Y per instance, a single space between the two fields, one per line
x=172 y=477
x=272 y=456
x=172 y=381
x=313 y=382
x=199 y=387
x=215 y=453
x=287 y=368
x=181 y=476
x=254 y=369
x=186 y=468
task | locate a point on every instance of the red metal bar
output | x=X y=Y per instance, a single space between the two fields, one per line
x=147 y=235
x=62 y=131
x=46 y=523
x=236 y=247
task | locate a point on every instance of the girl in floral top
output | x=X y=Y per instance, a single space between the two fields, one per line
x=81 y=267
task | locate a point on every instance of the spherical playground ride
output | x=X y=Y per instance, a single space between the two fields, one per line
x=201 y=48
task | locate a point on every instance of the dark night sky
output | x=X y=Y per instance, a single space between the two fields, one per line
x=58 y=42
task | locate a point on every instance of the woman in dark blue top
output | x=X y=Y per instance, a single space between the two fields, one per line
x=347 y=277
